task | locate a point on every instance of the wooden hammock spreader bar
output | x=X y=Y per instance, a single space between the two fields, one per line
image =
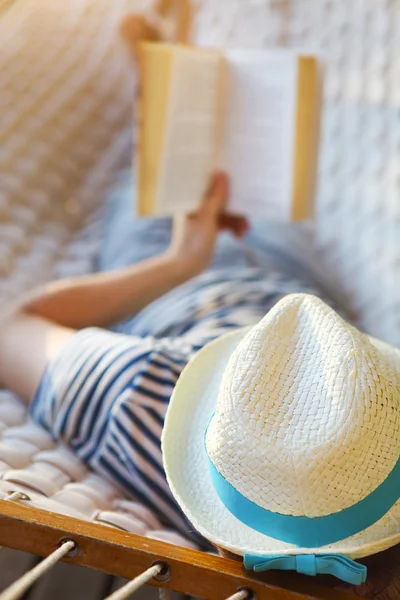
x=127 y=555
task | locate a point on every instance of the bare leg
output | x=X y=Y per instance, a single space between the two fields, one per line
x=27 y=343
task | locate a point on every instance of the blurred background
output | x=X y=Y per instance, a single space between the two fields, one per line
x=66 y=90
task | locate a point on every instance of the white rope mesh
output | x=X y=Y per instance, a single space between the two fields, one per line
x=132 y=586
x=19 y=587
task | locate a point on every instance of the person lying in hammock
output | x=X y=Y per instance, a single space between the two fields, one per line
x=105 y=394
x=97 y=357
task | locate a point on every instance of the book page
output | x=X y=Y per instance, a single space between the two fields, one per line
x=190 y=146
x=259 y=130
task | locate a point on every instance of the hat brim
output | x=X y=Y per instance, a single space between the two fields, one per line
x=186 y=464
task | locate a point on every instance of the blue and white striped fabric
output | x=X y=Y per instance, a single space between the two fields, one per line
x=105 y=394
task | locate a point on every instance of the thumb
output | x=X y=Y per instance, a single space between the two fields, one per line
x=216 y=196
x=134 y=29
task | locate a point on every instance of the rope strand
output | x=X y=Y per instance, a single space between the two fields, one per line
x=128 y=589
x=240 y=595
x=19 y=587
x=164 y=594
x=14 y=496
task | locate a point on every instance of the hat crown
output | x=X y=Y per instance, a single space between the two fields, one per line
x=307 y=414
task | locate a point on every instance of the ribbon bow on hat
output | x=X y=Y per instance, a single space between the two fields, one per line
x=309 y=564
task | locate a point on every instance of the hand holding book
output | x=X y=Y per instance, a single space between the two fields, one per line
x=194 y=235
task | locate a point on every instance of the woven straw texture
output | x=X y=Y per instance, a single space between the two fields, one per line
x=306 y=403
x=65 y=129
x=322 y=445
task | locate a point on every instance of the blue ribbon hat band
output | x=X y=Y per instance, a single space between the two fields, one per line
x=309 y=532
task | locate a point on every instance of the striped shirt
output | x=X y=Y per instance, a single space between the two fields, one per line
x=105 y=393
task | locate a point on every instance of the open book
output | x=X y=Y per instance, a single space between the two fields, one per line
x=253 y=114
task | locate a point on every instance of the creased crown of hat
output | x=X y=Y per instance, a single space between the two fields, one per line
x=287 y=437
x=307 y=416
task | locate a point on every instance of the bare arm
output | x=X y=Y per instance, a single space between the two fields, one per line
x=105 y=298
x=32 y=335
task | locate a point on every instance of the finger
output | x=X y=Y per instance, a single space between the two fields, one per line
x=237 y=224
x=180 y=11
x=216 y=195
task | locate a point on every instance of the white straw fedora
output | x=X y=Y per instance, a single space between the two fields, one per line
x=282 y=442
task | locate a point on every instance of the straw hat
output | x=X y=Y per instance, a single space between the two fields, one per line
x=283 y=440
